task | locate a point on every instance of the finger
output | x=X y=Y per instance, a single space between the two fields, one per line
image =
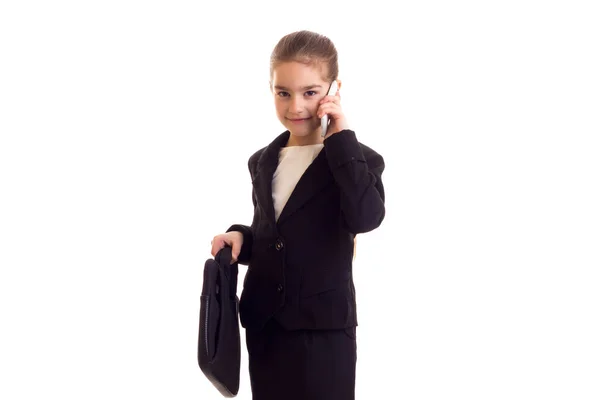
x=235 y=251
x=331 y=99
x=328 y=108
x=216 y=246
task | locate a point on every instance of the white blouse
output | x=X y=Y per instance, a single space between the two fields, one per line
x=293 y=161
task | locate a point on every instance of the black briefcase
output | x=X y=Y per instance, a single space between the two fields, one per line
x=219 y=330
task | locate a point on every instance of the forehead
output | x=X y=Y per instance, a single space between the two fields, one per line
x=294 y=75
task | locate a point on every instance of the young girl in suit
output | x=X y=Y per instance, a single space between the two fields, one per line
x=312 y=195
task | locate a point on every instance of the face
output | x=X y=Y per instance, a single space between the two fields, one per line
x=297 y=89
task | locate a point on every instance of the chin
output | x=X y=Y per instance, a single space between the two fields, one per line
x=303 y=131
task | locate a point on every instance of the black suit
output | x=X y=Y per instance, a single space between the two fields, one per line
x=298 y=304
x=300 y=266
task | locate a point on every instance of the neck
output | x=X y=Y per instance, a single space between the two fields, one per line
x=313 y=138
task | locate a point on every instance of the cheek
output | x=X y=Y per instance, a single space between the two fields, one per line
x=280 y=108
x=314 y=106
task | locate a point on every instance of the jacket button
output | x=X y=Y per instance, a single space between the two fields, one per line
x=279 y=244
x=280 y=288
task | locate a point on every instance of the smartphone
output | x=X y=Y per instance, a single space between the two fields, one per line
x=325 y=119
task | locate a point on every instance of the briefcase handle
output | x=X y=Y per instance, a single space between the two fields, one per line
x=223 y=258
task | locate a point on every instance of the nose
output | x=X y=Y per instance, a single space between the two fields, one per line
x=296 y=105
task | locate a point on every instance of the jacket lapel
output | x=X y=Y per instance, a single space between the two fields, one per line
x=263 y=179
x=316 y=176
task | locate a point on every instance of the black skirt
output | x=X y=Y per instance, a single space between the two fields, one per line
x=302 y=364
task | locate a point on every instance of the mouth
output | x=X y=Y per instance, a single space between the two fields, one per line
x=297 y=120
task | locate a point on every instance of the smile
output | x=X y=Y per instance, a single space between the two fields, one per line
x=299 y=120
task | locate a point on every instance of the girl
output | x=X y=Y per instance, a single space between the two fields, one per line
x=311 y=197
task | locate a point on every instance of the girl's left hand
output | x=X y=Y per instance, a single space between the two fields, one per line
x=337 y=121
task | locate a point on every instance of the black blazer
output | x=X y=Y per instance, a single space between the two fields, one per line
x=300 y=266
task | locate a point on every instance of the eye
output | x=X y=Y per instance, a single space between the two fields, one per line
x=311 y=93
x=282 y=94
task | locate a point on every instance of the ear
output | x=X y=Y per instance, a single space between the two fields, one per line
x=339 y=83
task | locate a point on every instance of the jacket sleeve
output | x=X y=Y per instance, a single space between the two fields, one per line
x=358 y=175
x=246 y=251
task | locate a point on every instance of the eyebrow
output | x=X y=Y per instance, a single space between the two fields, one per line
x=303 y=88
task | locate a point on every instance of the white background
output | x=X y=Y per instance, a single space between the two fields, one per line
x=125 y=131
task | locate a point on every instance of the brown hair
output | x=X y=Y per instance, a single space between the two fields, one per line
x=306 y=47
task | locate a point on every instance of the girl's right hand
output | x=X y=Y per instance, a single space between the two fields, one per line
x=234 y=239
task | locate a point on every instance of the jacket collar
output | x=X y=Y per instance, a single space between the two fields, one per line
x=316 y=176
